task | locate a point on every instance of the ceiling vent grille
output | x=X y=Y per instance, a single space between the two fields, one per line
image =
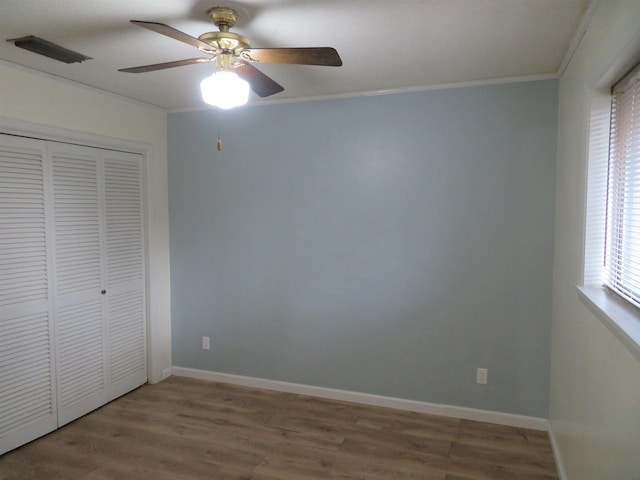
x=48 y=49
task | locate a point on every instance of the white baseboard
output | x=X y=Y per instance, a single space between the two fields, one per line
x=562 y=473
x=500 y=418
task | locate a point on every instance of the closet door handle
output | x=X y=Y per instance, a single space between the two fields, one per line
x=103 y=292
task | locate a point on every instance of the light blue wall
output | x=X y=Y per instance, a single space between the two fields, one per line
x=387 y=245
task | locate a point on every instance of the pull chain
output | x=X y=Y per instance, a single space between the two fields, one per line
x=219 y=143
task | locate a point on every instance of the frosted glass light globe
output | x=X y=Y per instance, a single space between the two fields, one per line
x=224 y=89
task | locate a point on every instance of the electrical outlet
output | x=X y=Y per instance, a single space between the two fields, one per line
x=482 y=376
x=205 y=343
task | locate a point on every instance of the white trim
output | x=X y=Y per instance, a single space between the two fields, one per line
x=577 y=37
x=272 y=101
x=562 y=473
x=500 y=418
x=375 y=93
x=620 y=317
x=40 y=131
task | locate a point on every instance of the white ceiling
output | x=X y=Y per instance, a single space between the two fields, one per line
x=384 y=44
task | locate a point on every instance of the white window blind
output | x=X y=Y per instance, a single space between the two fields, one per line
x=622 y=243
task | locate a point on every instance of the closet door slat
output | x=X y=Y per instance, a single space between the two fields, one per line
x=125 y=271
x=124 y=218
x=76 y=219
x=21 y=171
x=80 y=326
x=27 y=383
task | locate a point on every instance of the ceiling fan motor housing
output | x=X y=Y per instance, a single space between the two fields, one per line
x=223 y=17
x=224 y=40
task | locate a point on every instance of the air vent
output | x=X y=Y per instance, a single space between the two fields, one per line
x=48 y=49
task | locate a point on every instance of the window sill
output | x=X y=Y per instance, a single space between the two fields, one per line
x=621 y=318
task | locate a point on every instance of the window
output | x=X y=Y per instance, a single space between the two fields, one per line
x=612 y=214
x=622 y=240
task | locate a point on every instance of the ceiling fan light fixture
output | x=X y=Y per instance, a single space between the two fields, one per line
x=224 y=89
x=235 y=75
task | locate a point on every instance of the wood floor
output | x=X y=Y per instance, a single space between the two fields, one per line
x=191 y=429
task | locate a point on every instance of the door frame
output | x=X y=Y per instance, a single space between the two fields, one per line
x=157 y=346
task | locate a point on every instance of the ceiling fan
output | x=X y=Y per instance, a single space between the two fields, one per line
x=234 y=59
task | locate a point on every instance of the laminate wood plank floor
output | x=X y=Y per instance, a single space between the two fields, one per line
x=191 y=429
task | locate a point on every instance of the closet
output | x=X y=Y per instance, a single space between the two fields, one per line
x=72 y=283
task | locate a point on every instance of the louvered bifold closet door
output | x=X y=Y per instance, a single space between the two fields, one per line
x=125 y=270
x=80 y=326
x=27 y=384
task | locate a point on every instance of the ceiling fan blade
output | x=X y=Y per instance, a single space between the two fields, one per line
x=326 y=56
x=162 y=66
x=260 y=83
x=175 y=34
